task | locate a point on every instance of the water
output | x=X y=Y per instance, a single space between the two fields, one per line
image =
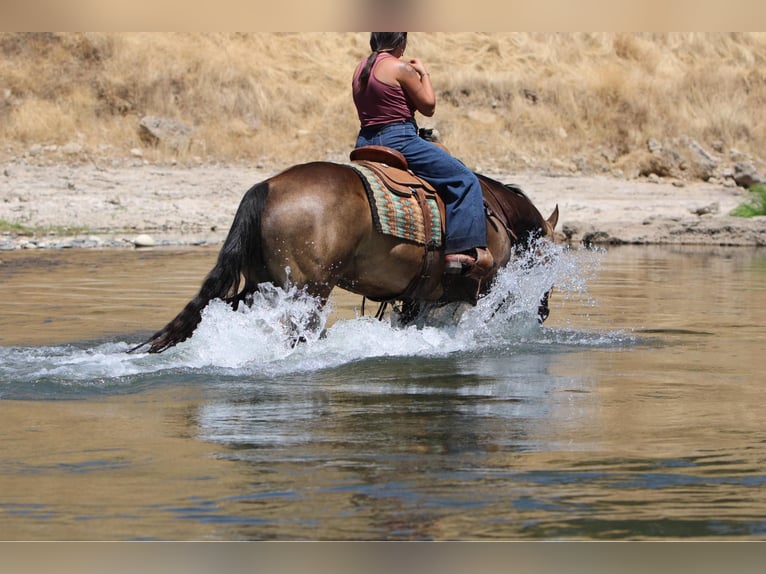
x=634 y=413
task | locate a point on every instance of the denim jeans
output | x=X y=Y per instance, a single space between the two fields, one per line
x=457 y=185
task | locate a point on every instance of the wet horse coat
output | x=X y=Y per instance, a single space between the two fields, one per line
x=311 y=226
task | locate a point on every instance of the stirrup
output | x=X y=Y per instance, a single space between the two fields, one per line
x=462 y=263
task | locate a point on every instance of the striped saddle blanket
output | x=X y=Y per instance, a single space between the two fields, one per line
x=402 y=204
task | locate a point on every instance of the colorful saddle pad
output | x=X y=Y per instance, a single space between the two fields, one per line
x=399 y=214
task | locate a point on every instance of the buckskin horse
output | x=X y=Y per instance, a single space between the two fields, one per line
x=314 y=226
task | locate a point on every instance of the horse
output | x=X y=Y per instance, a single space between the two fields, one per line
x=311 y=226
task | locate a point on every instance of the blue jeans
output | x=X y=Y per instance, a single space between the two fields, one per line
x=457 y=185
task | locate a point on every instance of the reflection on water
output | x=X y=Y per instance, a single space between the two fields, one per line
x=634 y=413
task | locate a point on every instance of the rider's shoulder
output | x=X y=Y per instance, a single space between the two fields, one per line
x=405 y=70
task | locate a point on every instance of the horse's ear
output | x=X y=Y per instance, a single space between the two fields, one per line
x=553 y=219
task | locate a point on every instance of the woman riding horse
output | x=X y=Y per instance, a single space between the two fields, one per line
x=387 y=91
x=311 y=225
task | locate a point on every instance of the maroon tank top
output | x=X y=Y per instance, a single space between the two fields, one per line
x=380 y=103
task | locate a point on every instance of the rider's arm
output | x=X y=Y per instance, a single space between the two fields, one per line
x=416 y=83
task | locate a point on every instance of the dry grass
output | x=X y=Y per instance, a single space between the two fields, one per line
x=574 y=101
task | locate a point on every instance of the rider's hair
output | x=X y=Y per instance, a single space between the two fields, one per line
x=380 y=42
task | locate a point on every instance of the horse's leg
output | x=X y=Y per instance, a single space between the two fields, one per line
x=409 y=312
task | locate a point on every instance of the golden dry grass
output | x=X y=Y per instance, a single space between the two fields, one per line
x=568 y=101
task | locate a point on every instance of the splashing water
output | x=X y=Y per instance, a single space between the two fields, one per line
x=259 y=339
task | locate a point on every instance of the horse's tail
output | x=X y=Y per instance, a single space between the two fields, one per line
x=241 y=248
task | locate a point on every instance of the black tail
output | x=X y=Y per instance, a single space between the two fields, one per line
x=240 y=249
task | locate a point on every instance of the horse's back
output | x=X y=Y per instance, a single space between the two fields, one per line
x=317 y=187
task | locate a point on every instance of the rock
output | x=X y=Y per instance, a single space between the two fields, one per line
x=736 y=155
x=168 y=132
x=706 y=209
x=86 y=242
x=144 y=240
x=660 y=162
x=745 y=174
x=653 y=146
x=703 y=165
x=570 y=230
x=701 y=152
x=682 y=158
x=72 y=148
x=598 y=237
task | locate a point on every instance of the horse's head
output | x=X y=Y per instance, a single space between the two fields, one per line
x=549 y=225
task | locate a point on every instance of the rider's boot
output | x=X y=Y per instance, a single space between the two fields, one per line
x=477 y=263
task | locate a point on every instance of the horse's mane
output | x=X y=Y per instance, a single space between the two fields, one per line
x=512 y=187
x=509 y=202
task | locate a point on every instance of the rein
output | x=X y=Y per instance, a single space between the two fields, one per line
x=511 y=235
x=490 y=191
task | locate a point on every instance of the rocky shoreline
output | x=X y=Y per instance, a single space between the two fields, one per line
x=145 y=205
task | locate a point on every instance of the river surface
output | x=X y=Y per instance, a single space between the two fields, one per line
x=635 y=413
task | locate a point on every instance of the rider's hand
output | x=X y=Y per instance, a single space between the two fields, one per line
x=418 y=66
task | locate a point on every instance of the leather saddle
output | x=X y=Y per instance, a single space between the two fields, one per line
x=391 y=166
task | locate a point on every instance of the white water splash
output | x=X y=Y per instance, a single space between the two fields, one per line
x=259 y=339
x=261 y=333
x=509 y=312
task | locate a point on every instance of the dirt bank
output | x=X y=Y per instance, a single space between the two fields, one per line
x=97 y=206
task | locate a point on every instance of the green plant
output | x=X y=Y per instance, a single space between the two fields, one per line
x=21 y=229
x=755 y=206
x=6 y=226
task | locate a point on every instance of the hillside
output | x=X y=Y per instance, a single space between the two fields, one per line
x=680 y=106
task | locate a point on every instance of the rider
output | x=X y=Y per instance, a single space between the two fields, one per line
x=387 y=91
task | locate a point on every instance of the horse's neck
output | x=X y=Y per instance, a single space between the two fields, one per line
x=510 y=204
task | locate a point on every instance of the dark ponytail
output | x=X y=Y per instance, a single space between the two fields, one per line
x=380 y=42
